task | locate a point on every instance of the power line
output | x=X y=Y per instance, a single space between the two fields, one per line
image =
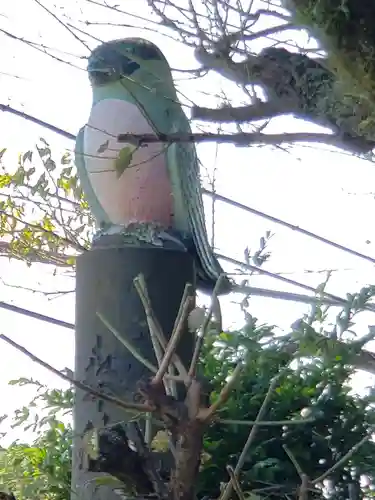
x=35 y=315
x=336 y=298
x=8 y=109
x=234 y=203
x=260 y=292
x=248 y=209
x=68 y=135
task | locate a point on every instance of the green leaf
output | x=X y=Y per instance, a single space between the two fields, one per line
x=123 y=160
x=5 y=179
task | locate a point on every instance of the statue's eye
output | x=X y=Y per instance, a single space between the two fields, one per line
x=128 y=66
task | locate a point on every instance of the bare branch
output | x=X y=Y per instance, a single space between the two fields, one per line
x=206 y=415
x=178 y=330
x=303 y=489
x=34 y=290
x=236 y=484
x=265 y=423
x=228 y=490
x=40 y=228
x=137 y=355
x=41 y=48
x=241 y=139
x=140 y=285
x=345 y=458
x=80 y=385
x=35 y=255
x=61 y=23
x=294 y=461
x=200 y=338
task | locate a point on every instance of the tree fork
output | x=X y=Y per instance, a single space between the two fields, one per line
x=105 y=289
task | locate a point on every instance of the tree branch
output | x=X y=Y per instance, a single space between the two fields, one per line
x=228 y=490
x=207 y=414
x=240 y=139
x=59 y=21
x=40 y=256
x=80 y=385
x=38 y=227
x=345 y=458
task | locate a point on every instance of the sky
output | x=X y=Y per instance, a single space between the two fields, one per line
x=328 y=193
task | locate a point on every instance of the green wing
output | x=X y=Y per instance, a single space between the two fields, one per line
x=188 y=165
x=92 y=200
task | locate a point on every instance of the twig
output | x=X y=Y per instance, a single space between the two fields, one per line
x=303 y=489
x=206 y=414
x=236 y=484
x=228 y=490
x=170 y=386
x=158 y=350
x=34 y=290
x=264 y=423
x=188 y=291
x=200 y=338
x=61 y=23
x=140 y=285
x=294 y=462
x=344 y=459
x=127 y=344
x=148 y=430
x=40 y=228
x=139 y=407
x=175 y=337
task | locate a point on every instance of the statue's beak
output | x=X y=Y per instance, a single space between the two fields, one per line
x=99 y=71
x=95 y=65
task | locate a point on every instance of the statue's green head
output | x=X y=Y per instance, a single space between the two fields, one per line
x=112 y=61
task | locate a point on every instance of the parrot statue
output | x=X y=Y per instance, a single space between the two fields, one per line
x=154 y=185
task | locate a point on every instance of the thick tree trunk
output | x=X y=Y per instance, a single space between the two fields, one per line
x=105 y=285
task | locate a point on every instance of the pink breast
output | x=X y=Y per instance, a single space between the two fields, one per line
x=143 y=192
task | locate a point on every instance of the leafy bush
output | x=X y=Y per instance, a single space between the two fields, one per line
x=42 y=469
x=312 y=417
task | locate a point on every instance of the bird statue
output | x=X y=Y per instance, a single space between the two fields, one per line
x=153 y=190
